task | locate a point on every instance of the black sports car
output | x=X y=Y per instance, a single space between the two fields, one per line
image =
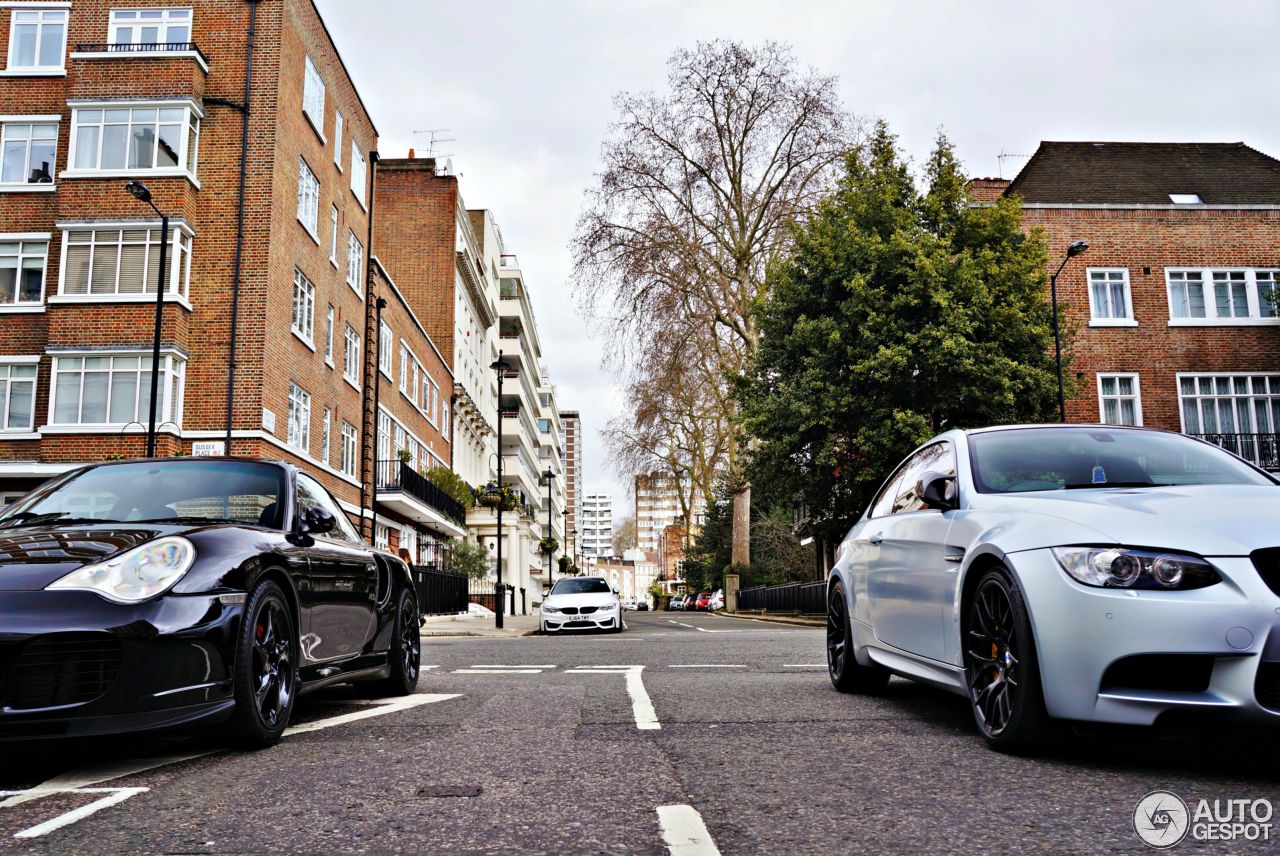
x=151 y=594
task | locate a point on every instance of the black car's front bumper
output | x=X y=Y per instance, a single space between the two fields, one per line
x=74 y=664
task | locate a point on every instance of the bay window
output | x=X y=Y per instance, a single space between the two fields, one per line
x=27 y=154
x=1223 y=296
x=161 y=138
x=17 y=396
x=150 y=27
x=22 y=267
x=37 y=40
x=115 y=389
x=121 y=264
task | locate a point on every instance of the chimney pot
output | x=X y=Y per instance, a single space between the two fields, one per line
x=410 y=154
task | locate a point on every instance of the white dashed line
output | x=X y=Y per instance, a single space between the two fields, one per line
x=804 y=665
x=641 y=705
x=496 y=672
x=684 y=832
x=705 y=666
x=115 y=796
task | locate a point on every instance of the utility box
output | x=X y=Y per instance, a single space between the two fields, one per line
x=731 y=585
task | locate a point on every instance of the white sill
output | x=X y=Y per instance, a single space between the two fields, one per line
x=1223 y=322
x=356 y=289
x=29 y=187
x=359 y=200
x=19 y=435
x=118 y=298
x=167 y=172
x=165 y=427
x=333 y=262
x=22 y=309
x=328 y=362
x=351 y=383
x=1112 y=322
x=314 y=126
x=142 y=55
x=33 y=72
x=310 y=344
x=307 y=229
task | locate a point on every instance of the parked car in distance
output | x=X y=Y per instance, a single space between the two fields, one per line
x=717 y=600
x=703 y=601
x=150 y=594
x=1060 y=573
x=676 y=603
x=581 y=603
x=642 y=605
x=629 y=603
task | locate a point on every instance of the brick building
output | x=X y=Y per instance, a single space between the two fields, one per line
x=264 y=170
x=1174 y=304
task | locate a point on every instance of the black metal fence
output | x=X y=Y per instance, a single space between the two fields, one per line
x=797 y=598
x=140 y=47
x=515 y=601
x=1262 y=450
x=440 y=592
x=396 y=475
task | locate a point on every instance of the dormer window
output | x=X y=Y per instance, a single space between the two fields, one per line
x=1186 y=199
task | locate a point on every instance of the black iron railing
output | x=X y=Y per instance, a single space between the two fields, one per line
x=1260 y=449
x=440 y=592
x=798 y=598
x=399 y=476
x=145 y=48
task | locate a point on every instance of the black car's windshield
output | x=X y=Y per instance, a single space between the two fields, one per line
x=1090 y=457
x=587 y=586
x=177 y=491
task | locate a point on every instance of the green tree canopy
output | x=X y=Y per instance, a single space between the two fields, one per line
x=899 y=314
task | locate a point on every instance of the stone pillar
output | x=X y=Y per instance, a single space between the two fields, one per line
x=730 y=592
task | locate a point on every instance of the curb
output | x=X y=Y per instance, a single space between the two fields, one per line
x=792 y=621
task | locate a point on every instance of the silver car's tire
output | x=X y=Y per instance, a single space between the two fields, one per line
x=1002 y=671
x=847 y=674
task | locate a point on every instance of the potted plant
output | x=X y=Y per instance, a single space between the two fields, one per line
x=403 y=455
x=548 y=545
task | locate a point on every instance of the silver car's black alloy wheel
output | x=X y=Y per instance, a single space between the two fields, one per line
x=837 y=633
x=993 y=655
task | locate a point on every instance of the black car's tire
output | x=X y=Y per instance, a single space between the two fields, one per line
x=404 y=657
x=1002 y=671
x=847 y=674
x=265 y=669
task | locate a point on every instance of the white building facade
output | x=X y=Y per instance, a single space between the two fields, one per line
x=595 y=535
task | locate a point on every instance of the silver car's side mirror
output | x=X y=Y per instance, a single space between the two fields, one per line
x=938 y=491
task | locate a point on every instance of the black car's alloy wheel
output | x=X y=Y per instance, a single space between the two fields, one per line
x=266 y=668
x=847 y=674
x=1001 y=671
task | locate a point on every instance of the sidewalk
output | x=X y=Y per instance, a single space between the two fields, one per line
x=475 y=625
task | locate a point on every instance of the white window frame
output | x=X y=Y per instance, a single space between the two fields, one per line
x=333 y=235
x=177 y=289
x=325 y=437
x=1211 y=317
x=304 y=309
x=1096 y=320
x=1273 y=381
x=45 y=14
x=7 y=381
x=385 y=357
x=359 y=169
x=1136 y=397
x=299 y=419
x=173 y=371
x=309 y=200
x=355 y=262
x=31 y=122
x=338 y=122
x=189 y=146
x=313 y=95
x=330 y=318
x=351 y=356
x=350 y=454
x=170 y=16
x=22 y=239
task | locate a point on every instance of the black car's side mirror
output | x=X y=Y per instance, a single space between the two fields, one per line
x=318 y=521
x=938 y=491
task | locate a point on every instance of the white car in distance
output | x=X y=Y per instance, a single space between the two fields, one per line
x=581 y=603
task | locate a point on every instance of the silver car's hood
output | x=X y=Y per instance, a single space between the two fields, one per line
x=1212 y=520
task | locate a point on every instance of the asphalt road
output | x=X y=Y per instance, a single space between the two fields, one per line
x=735 y=725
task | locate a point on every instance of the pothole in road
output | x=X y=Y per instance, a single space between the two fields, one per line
x=437 y=791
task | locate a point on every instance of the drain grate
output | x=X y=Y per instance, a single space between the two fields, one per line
x=450 y=791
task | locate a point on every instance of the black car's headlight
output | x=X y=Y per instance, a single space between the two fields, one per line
x=136 y=574
x=1119 y=567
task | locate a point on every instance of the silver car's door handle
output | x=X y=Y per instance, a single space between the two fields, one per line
x=877 y=538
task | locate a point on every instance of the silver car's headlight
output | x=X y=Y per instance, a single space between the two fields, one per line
x=549 y=609
x=136 y=574
x=608 y=606
x=1119 y=567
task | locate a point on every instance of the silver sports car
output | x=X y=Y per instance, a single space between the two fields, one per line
x=1051 y=573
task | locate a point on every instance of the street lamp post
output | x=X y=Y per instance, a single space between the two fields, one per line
x=550 y=477
x=500 y=366
x=1073 y=250
x=139 y=191
x=573 y=550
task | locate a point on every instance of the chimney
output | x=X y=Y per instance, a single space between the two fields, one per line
x=411 y=154
x=986 y=190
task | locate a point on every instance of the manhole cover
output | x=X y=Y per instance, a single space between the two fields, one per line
x=450 y=791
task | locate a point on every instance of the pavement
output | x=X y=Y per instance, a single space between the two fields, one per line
x=688 y=734
x=476 y=625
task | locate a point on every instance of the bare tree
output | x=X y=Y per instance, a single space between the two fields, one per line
x=624 y=535
x=699 y=190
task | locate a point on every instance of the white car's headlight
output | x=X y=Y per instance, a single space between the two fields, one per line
x=135 y=575
x=549 y=609
x=608 y=606
x=1118 y=567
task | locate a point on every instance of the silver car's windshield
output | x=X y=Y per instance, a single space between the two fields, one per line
x=157 y=491
x=1028 y=459
x=587 y=586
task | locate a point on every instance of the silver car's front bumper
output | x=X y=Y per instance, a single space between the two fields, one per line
x=553 y=622
x=1082 y=631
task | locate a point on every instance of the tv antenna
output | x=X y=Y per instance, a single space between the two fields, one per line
x=1004 y=156
x=435 y=137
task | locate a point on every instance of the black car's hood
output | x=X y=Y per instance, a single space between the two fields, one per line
x=33 y=557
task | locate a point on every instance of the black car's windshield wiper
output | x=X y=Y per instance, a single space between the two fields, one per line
x=188 y=519
x=1086 y=485
x=28 y=518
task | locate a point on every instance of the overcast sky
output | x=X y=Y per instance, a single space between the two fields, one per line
x=526 y=87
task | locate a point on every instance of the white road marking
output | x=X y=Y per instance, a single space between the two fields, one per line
x=377 y=707
x=497 y=672
x=804 y=665
x=641 y=705
x=115 y=796
x=511 y=666
x=684 y=832
x=705 y=666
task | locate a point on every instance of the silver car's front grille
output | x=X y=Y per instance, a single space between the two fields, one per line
x=1266 y=687
x=587 y=610
x=569 y=610
x=1268 y=564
